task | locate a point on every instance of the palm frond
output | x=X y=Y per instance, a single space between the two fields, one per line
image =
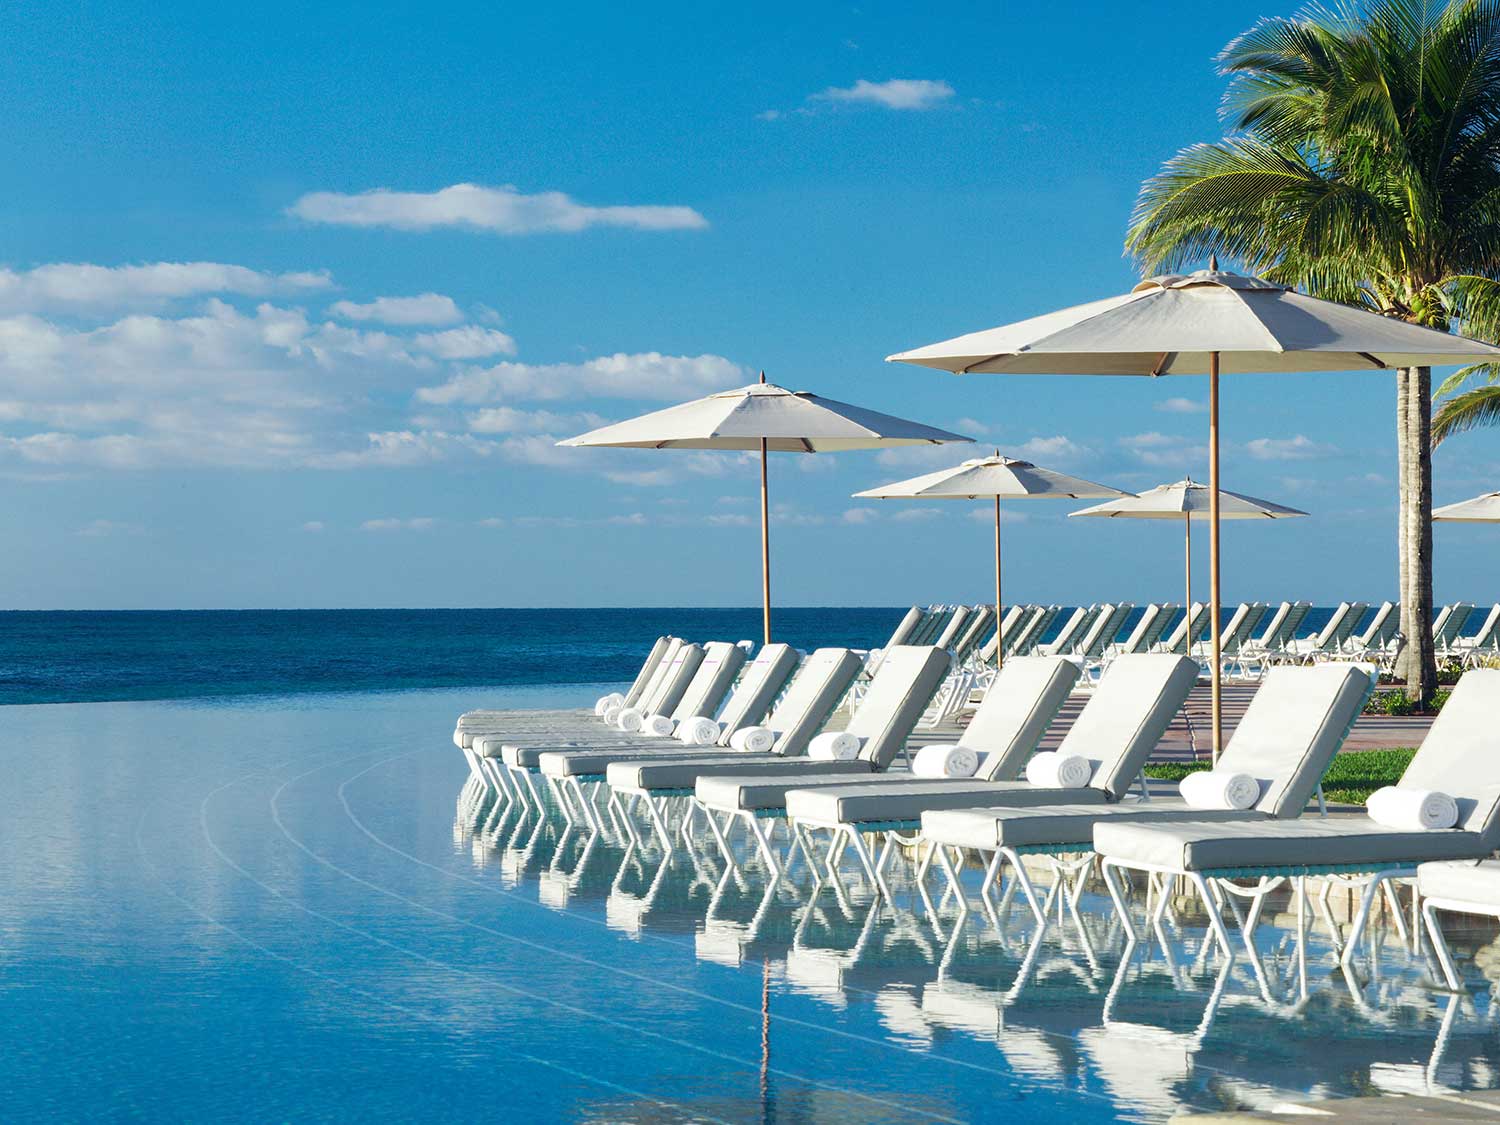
x=1464 y=412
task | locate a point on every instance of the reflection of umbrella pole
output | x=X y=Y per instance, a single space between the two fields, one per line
x=765 y=1039
x=999 y=615
x=1213 y=546
x=765 y=547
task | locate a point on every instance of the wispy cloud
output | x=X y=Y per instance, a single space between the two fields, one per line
x=648 y=375
x=420 y=523
x=424 y=309
x=498 y=210
x=1164 y=451
x=101 y=529
x=860 y=515
x=1299 y=448
x=894 y=93
x=313 y=525
x=1181 y=406
x=63 y=286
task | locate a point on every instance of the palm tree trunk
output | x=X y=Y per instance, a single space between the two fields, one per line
x=1417 y=664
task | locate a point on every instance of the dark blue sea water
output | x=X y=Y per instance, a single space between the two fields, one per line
x=72 y=657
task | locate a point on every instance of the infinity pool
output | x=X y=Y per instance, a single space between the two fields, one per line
x=279 y=910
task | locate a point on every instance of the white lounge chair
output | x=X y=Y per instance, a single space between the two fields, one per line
x=1457 y=757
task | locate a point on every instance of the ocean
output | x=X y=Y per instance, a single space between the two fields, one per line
x=91 y=657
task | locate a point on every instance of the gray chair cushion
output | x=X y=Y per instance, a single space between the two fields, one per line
x=1461 y=754
x=1019 y=705
x=711 y=682
x=586 y=761
x=758 y=686
x=1057 y=825
x=1201 y=846
x=674 y=686
x=655 y=683
x=1127 y=715
x=1475 y=881
x=671 y=772
x=815 y=691
x=909 y=676
x=1295 y=723
x=907 y=798
x=761 y=788
x=643 y=677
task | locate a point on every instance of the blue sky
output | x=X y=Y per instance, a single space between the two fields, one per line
x=295 y=300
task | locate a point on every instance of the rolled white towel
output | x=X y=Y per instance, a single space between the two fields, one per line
x=488 y=746
x=753 y=740
x=658 y=725
x=1219 y=789
x=1412 y=809
x=1051 y=770
x=629 y=720
x=612 y=715
x=834 y=746
x=698 y=731
x=604 y=702
x=945 y=760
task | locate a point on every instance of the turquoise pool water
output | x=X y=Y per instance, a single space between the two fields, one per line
x=273 y=909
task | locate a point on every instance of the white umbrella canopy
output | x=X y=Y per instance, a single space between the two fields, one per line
x=1480 y=509
x=766 y=418
x=1187 y=500
x=1206 y=322
x=998 y=477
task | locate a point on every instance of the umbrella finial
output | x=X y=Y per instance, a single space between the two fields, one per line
x=1213 y=263
x=762 y=374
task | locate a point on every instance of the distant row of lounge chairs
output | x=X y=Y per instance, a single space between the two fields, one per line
x=709 y=737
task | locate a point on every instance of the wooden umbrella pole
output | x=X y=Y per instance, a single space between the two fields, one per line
x=1213 y=549
x=1187 y=552
x=999 y=608
x=765 y=546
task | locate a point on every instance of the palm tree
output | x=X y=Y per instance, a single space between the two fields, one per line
x=1362 y=165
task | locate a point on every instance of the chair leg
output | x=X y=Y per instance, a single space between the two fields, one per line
x=1215 y=917
x=1111 y=875
x=1440 y=947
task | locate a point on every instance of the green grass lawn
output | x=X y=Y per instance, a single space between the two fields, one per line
x=1351 y=778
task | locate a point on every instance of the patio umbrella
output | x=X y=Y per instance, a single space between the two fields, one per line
x=1202 y=323
x=1481 y=509
x=769 y=419
x=1187 y=500
x=994 y=477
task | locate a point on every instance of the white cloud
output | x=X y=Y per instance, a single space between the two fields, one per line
x=1055 y=448
x=1299 y=448
x=916 y=515
x=491 y=521
x=425 y=309
x=727 y=519
x=1165 y=451
x=100 y=529
x=768 y=115
x=421 y=523
x=85 y=286
x=970 y=427
x=469 y=342
x=509 y=420
x=860 y=515
x=644 y=375
x=986 y=514
x=313 y=525
x=1181 y=406
x=896 y=93
x=501 y=210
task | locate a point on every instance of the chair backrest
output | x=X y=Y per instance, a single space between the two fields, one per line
x=979 y=624
x=1459 y=757
x=1021 y=634
x=646 y=701
x=1104 y=630
x=1014 y=615
x=1072 y=627
x=814 y=692
x=1132 y=643
x=909 y=676
x=1446 y=630
x=1382 y=624
x=1018 y=706
x=648 y=669
x=1036 y=629
x=1188 y=629
x=1274 y=631
x=904 y=629
x=680 y=673
x=1489 y=632
x=721 y=663
x=930 y=626
x=1340 y=625
x=1240 y=625
x=1126 y=716
x=759 y=684
x=1294 y=618
x=949 y=635
x=1293 y=727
